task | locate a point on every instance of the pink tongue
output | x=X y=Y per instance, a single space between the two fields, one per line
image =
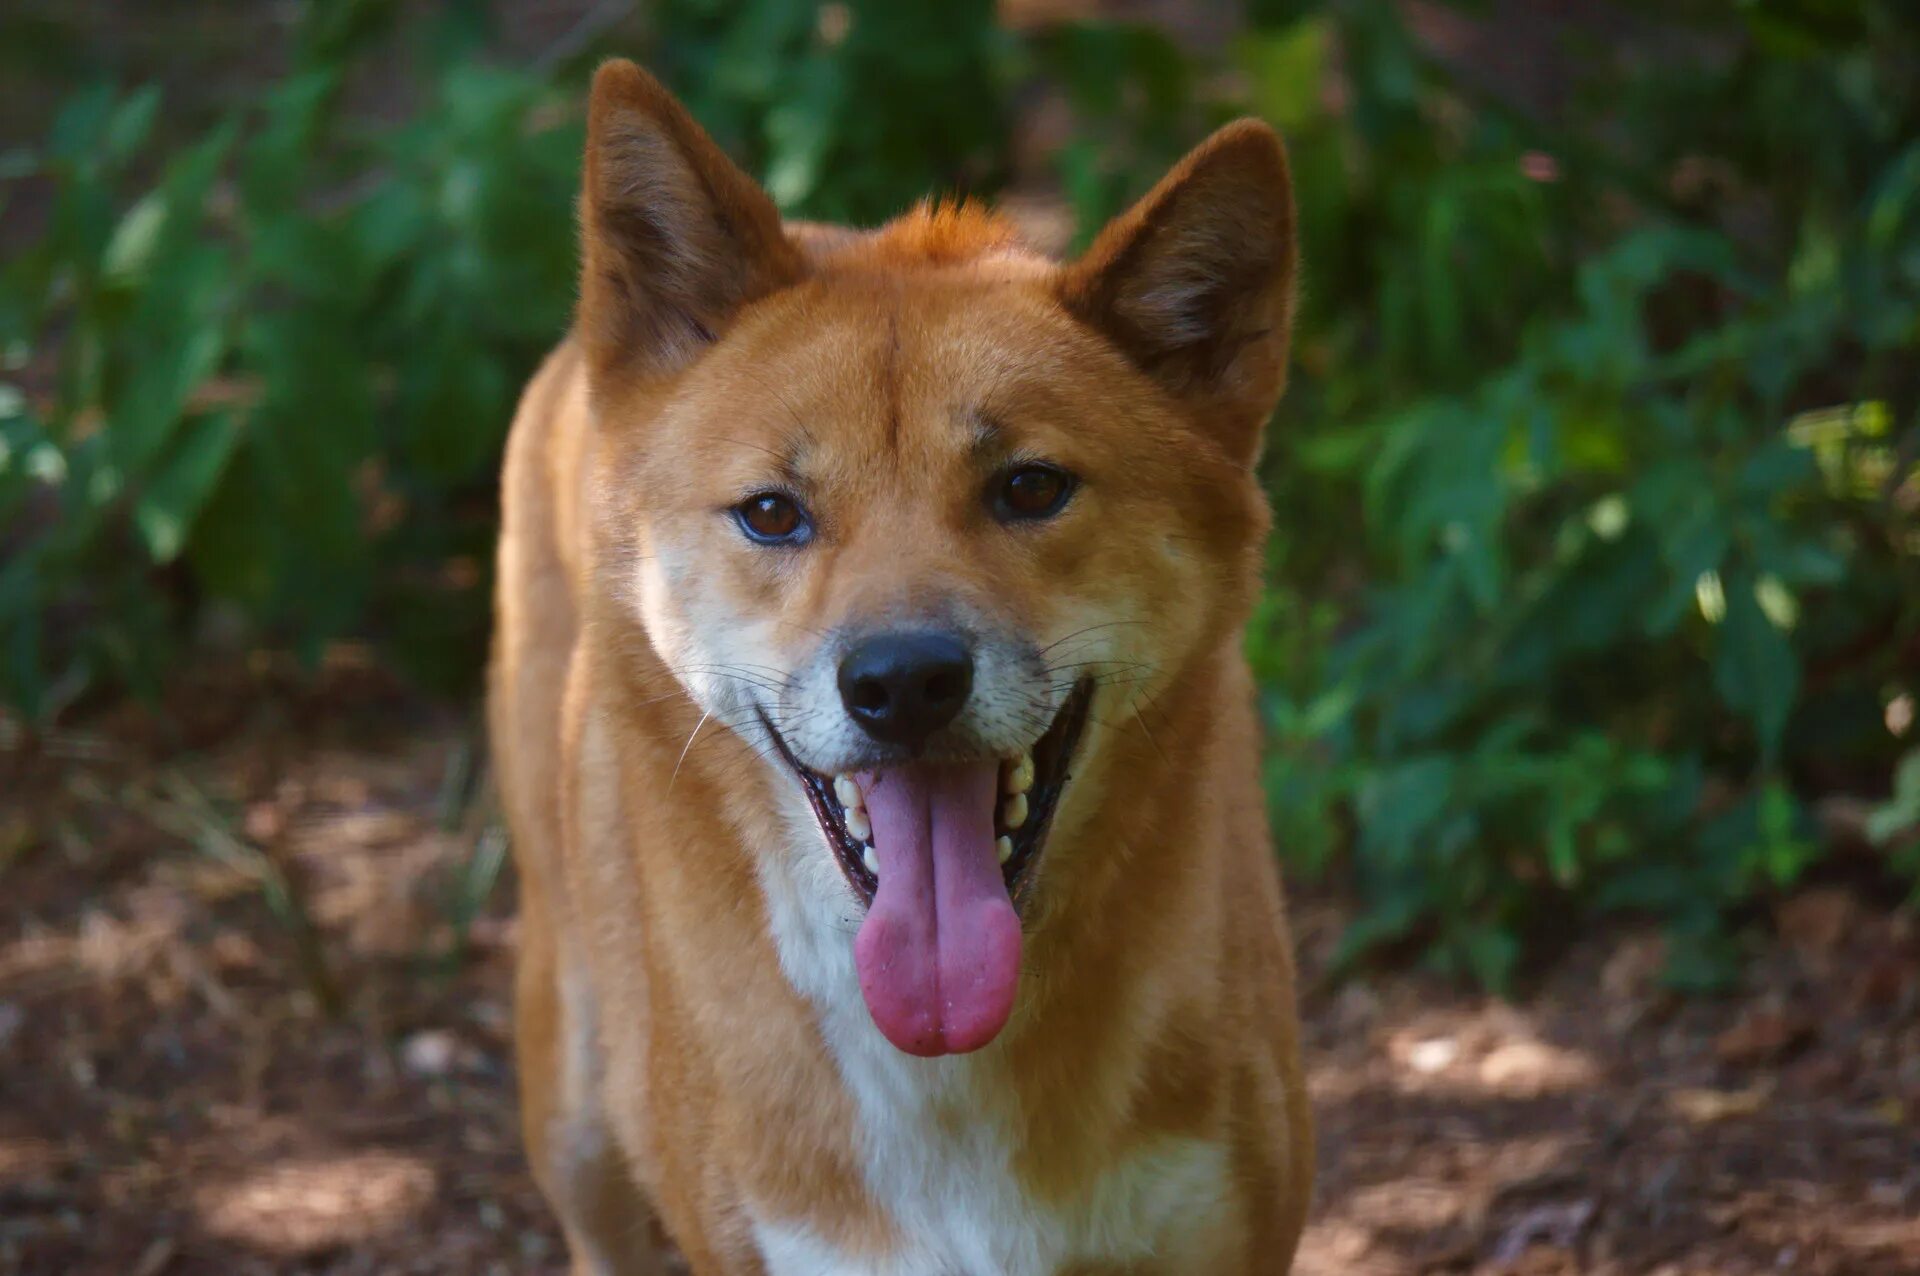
x=939 y=952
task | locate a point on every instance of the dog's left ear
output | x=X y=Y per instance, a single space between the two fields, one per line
x=1195 y=282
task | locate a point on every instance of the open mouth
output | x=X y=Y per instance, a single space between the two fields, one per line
x=1028 y=792
x=942 y=855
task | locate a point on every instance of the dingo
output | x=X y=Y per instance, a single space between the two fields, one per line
x=880 y=757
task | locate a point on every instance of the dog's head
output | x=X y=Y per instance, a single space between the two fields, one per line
x=908 y=510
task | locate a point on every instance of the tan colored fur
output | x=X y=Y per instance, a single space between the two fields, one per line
x=670 y=1069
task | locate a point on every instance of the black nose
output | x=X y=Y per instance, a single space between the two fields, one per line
x=903 y=687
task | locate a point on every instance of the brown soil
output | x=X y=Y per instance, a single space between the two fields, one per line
x=239 y=1033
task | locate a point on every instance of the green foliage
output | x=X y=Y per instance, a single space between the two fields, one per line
x=1596 y=561
x=275 y=375
x=1606 y=481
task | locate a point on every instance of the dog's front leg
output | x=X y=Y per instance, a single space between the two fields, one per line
x=607 y=1221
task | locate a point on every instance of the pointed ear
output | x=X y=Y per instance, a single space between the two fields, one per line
x=1195 y=282
x=675 y=239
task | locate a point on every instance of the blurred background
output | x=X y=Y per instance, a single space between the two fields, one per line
x=1588 y=657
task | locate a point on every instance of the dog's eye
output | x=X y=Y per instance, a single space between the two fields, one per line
x=1031 y=491
x=773 y=518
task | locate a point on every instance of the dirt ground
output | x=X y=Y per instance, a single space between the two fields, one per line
x=254 y=1008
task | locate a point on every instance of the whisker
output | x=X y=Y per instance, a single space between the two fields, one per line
x=688 y=745
x=1164 y=760
x=1110 y=624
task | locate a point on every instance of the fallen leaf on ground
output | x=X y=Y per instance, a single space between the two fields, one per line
x=1761 y=1035
x=1704 y=1107
x=1818 y=921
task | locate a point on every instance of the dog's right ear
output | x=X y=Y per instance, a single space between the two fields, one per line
x=675 y=239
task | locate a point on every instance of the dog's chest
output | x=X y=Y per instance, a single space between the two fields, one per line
x=936 y=1139
x=945 y=1181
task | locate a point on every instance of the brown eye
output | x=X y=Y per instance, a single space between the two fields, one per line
x=773 y=518
x=1032 y=491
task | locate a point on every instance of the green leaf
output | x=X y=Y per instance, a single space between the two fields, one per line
x=1390 y=920
x=130 y=251
x=167 y=508
x=1900 y=814
x=1399 y=806
x=148 y=410
x=81 y=124
x=1754 y=667
x=1491 y=954
x=132 y=123
x=236 y=550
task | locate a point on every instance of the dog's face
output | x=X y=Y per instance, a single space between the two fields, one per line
x=909 y=512
x=874 y=481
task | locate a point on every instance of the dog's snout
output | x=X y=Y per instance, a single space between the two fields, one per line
x=903 y=687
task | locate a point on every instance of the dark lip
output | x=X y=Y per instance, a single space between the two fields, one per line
x=1052 y=754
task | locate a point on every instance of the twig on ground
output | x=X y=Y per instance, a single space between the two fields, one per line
x=188 y=813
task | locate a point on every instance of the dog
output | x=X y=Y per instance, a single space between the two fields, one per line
x=870 y=717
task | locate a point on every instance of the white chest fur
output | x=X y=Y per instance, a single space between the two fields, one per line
x=936 y=1141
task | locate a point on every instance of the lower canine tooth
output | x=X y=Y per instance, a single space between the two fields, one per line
x=1004 y=849
x=871 y=860
x=848 y=792
x=858 y=825
x=1014 y=813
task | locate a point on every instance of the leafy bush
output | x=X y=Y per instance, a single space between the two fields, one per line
x=1596 y=560
x=276 y=377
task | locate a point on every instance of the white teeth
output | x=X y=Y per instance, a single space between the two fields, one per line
x=1020 y=778
x=1014 y=813
x=848 y=792
x=1003 y=847
x=858 y=825
x=872 y=861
